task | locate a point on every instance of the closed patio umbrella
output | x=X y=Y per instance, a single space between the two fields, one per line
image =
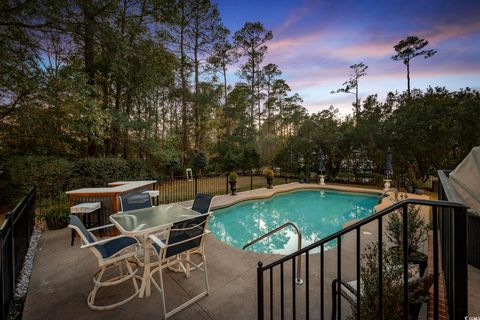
x=388 y=164
x=321 y=167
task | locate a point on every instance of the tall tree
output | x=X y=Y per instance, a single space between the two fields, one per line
x=270 y=73
x=224 y=54
x=408 y=49
x=358 y=70
x=250 y=40
x=202 y=30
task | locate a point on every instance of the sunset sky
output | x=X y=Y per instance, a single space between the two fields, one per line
x=315 y=42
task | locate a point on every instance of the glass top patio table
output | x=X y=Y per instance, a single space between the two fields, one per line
x=142 y=221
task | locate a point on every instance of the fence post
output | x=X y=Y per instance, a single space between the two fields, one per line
x=251 y=179
x=2 y=274
x=226 y=184
x=12 y=217
x=260 y=290
x=196 y=183
x=459 y=296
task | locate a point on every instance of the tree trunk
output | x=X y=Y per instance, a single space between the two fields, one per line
x=184 y=87
x=252 y=107
x=408 y=79
x=89 y=59
x=357 y=107
x=197 y=90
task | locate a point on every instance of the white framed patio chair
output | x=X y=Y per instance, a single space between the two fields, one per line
x=183 y=238
x=201 y=204
x=112 y=252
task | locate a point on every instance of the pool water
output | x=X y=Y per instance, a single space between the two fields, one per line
x=317 y=213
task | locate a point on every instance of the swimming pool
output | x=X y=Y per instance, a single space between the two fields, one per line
x=317 y=213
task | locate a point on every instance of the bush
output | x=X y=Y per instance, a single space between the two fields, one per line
x=50 y=174
x=54 y=212
x=98 y=172
x=392 y=276
x=268 y=172
x=232 y=176
x=200 y=161
x=55 y=175
x=417 y=229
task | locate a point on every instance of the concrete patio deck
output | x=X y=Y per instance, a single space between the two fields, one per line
x=62 y=277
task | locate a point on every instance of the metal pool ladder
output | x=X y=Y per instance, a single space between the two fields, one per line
x=298 y=280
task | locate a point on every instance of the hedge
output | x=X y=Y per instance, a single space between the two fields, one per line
x=55 y=175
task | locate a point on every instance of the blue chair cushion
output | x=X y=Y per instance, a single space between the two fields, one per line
x=201 y=203
x=112 y=247
x=75 y=221
x=135 y=201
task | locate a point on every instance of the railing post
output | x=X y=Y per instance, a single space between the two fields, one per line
x=251 y=179
x=405 y=261
x=226 y=183
x=260 y=290
x=459 y=296
x=196 y=183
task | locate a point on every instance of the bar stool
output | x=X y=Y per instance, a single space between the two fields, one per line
x=85 y=210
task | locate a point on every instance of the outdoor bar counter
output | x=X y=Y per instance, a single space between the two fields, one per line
x=108 y=196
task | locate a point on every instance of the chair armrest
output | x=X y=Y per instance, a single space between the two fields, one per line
x=157 y=241
x=102 y=227
x=88 y=245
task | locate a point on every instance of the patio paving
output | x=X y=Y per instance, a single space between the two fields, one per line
x=62 y=277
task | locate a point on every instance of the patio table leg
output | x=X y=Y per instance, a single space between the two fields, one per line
x=145 y=290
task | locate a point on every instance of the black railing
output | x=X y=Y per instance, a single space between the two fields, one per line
x=452 y=238
x=14 y=241
x=183 y=188
x=453 y=269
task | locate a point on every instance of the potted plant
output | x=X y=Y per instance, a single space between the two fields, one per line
x=232 y=179
x=301 y=177
x=392 y=276
x=269 y=174
x=419 y=187
x=417 y=231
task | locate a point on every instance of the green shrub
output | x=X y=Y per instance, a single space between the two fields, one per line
x=417 y=228
x=55 y=175
x=301 y=176
x=268 y=172
x=392 y=275
x=200 y=161
x=54 y=212
x=50 y=174
x=232 y=176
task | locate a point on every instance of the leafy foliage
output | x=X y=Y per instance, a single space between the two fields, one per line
x=55 y=175
x=232 y=176
x=392 y=275
x=416 y=226
x=55 y=212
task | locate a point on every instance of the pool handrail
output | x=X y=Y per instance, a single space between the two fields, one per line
x=298 y=280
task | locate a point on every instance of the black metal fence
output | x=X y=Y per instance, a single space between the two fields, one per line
x=14 y=241
x=183 y=188
x=451 y=228
x=280 y=297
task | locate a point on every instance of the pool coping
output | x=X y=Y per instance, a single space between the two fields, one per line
x=227 y=200
x=281 y=192
x=224 y=201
